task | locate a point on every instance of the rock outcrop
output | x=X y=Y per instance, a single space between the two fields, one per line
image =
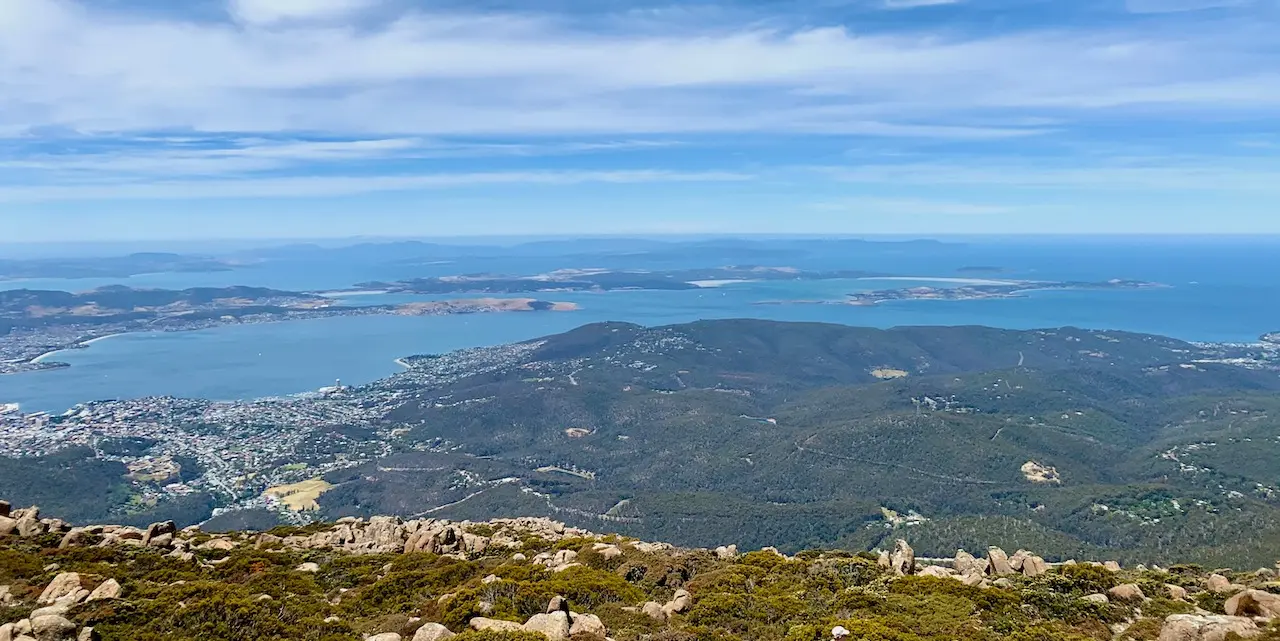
x=1254 y=603
x=903 y=559
x=1191 y=627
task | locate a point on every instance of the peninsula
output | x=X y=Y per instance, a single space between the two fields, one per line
x=35 y=325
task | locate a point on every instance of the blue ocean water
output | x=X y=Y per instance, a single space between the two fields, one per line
x=1218 y=291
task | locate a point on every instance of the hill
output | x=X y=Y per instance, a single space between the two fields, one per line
x=391 y=579
x=1075 y=443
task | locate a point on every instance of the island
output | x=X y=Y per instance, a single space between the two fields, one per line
x=600 y=280
x=968 y=290
x=111 y=267
x=35 y=325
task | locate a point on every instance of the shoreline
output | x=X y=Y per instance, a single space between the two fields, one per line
x=78 y=345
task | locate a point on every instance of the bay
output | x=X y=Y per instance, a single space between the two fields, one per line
x=1219 y=292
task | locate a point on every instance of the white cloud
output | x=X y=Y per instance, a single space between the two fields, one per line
x=269 y=12
x=332 y=186
x=911 y=4
x=65 y=64
x=1178 y=6
x=1206 y=174
x=909 y=207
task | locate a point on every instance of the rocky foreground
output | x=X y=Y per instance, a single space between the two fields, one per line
x=528 y=579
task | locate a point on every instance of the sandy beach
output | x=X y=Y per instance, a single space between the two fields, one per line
x=47 y=355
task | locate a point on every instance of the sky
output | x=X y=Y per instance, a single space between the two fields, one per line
x=202 y=119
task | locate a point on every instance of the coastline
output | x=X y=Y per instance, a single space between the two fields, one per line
x=78 y=345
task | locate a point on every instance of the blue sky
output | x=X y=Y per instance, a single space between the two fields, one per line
x=150 y=119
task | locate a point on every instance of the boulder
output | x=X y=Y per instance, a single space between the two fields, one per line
x=554 y=626
x=1192 y=627
x=587 y=625
x=308 y=567
x=557 y=604
x=1175 y=592
x=1034 y=566
x=1096 y=598
x=88 y=634
x=884 y=561
x=966 y=564
x=1219 y=584
x=6 y=632
x=654 y=611
x=1018 y=559
x=63 y=585
x=385 y=636
x=610 y=552
x=937 y=571
x=727 y=552
x=1127 y=592
x=5 y=508
x=156 y=530
x=432 y=632
x=1112 y=566
x=52 y=628
x=109 y=589
x=1254 y=603
x=8 y=526
x=497 y=625
x=223 y=545
x=903 y=559
x=998 y=562
x=29 y=526
x=679 y=603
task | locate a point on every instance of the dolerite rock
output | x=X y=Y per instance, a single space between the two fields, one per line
x=1127 y=592
x=5 y=508
x=8 y=526
x=1018 y=559
x=64 y=585
x=998 y=562
x=1034 y=566
x=88 y=634
x=1112 y=566
x=29 y=526
x=110 y=589
x=557 y=604
x=727 y=552
x=52 y=628
x=587 y=626
x=966 y=564
x=937 y=571
x=497 y=625
x=903 y=559
x=1175 y=592
x=156 y=530
x=433 y=632
x=554 y=626
x=1220 y=584
x=1096 y=598
x=884 y=560
x=1254 y=603
x=679 y=603
x=385 y=636
x=653 y=610
x=1191 y=627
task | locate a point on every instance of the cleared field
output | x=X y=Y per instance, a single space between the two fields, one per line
x=301 y=497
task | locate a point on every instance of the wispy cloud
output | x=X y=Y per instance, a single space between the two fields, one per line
x=908 y=207
x=330 y=186
x=1178 y=6
x=912 y=4
x=269 y=12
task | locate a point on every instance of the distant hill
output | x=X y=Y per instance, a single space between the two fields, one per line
x=1071 y=442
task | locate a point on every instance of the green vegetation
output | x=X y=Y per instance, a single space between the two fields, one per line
x=251 y=594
